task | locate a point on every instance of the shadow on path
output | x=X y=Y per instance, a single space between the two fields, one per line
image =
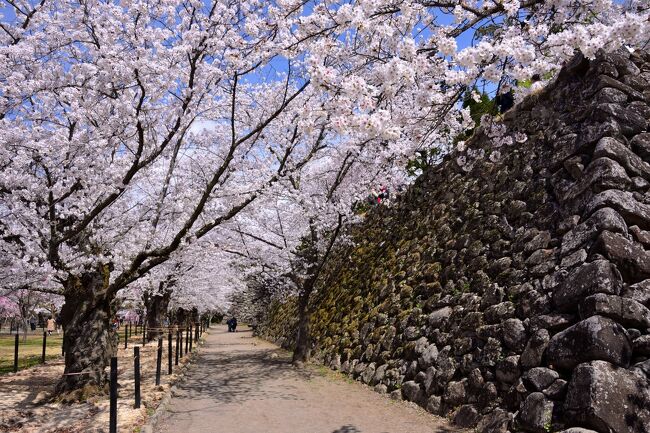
x=241 y=384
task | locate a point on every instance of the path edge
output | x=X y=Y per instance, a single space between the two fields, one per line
x=152 y=421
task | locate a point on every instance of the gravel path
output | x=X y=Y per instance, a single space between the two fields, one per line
x=241 y=384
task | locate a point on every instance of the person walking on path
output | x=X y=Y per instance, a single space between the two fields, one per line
x=51 y=325
x=232 y=325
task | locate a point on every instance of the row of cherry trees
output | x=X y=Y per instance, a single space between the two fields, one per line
x=177 y=147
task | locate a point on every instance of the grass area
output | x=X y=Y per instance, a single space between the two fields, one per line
x=29 y=352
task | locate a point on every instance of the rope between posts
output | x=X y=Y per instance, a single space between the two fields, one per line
x=85 y=372
x=116 y=372
x=135 y=357
x=168 y=329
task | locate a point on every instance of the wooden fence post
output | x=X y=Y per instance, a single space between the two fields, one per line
x=158 y=361
x=170 y=356
x=178 y=334
x=191 y=336
x=136 y=375
x=16 y=353
x=44 y=343
x=113 y=397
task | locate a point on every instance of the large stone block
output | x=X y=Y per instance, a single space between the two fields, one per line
x=439 y=317
x=599 y=276
x=539 y=378
x=641 y=145
x=507 y=370
x=625 y=311
x=535 y=349
x=496 y=421
x=596 y=338
x=536 y=413
x=467 y=416
x=554 y=322
x=455 y=393
x=630 y=257
x=624 y=203
x=514 y=334
x=608 y=399
x=579 y=236
x=412 y=391
x=642 y=345
x=428 y=357
x=640 y=292
x=605 y=81
x=602 y=174
x=614 y=149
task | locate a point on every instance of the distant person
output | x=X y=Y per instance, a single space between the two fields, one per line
x=375 y=196
x=232 y=325
x=51 y=325
x=32 y=324
x=384 y=195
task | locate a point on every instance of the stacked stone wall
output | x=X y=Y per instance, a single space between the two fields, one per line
x=509 y=287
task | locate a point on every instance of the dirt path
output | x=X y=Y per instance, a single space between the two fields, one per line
x=241 y=384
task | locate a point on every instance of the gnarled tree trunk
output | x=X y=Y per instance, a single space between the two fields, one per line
x=315 y=263
x=88 y=340
x=302 y=351
x=157 y=305
x=181 y=317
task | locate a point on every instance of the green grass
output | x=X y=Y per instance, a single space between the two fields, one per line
x=29 y=352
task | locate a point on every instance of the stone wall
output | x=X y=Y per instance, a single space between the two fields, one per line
x=511 y=292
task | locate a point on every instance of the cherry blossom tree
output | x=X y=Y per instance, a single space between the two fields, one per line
x=8 y=309
x=22 y=304
x=103 y=176
x=287 y=236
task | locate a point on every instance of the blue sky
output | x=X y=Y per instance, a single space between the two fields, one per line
x=278 y=64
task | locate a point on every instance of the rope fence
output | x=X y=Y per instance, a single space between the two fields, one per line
x=177 y=337
x=174 y=351
x=191 y=332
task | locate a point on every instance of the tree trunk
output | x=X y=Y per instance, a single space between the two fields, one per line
x=181 y=317
x=157 y=305
x=25 y=325
x=88 y=340
x=302 y=351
